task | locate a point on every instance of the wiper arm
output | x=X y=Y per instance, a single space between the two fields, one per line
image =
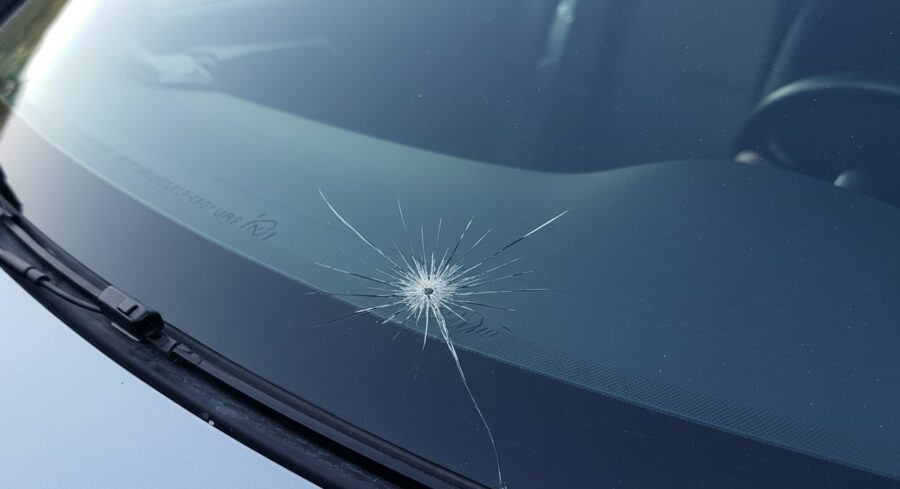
x=125 y=312
x=38 y=277
x=22 y=267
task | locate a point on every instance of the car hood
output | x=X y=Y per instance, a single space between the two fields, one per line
x=71 y=417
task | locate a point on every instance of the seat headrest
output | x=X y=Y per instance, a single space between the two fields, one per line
x=841 y=37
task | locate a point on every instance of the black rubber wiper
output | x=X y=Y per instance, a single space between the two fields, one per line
x=125 y=312
x=40 y=278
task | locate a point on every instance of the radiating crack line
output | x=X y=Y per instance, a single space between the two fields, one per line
x=425 y=288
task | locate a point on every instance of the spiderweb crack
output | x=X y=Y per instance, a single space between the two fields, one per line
x=424 y=287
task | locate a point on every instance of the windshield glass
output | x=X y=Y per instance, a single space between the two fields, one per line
x=689 y=209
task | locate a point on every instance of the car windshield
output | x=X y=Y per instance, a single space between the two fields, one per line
x=537 y=243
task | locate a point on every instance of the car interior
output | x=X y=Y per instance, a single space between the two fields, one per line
x=576 y=85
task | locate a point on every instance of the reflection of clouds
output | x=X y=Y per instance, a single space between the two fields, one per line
x=177 y=69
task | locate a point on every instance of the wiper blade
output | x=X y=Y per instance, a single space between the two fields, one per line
x=38 y=277
x=130 y=315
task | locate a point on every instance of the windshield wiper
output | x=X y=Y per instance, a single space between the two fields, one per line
x=40 y=278
x=126 y=313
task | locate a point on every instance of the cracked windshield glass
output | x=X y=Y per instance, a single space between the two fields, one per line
x=497 y=234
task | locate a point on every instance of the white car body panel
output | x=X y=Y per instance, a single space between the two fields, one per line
x=71 y=417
